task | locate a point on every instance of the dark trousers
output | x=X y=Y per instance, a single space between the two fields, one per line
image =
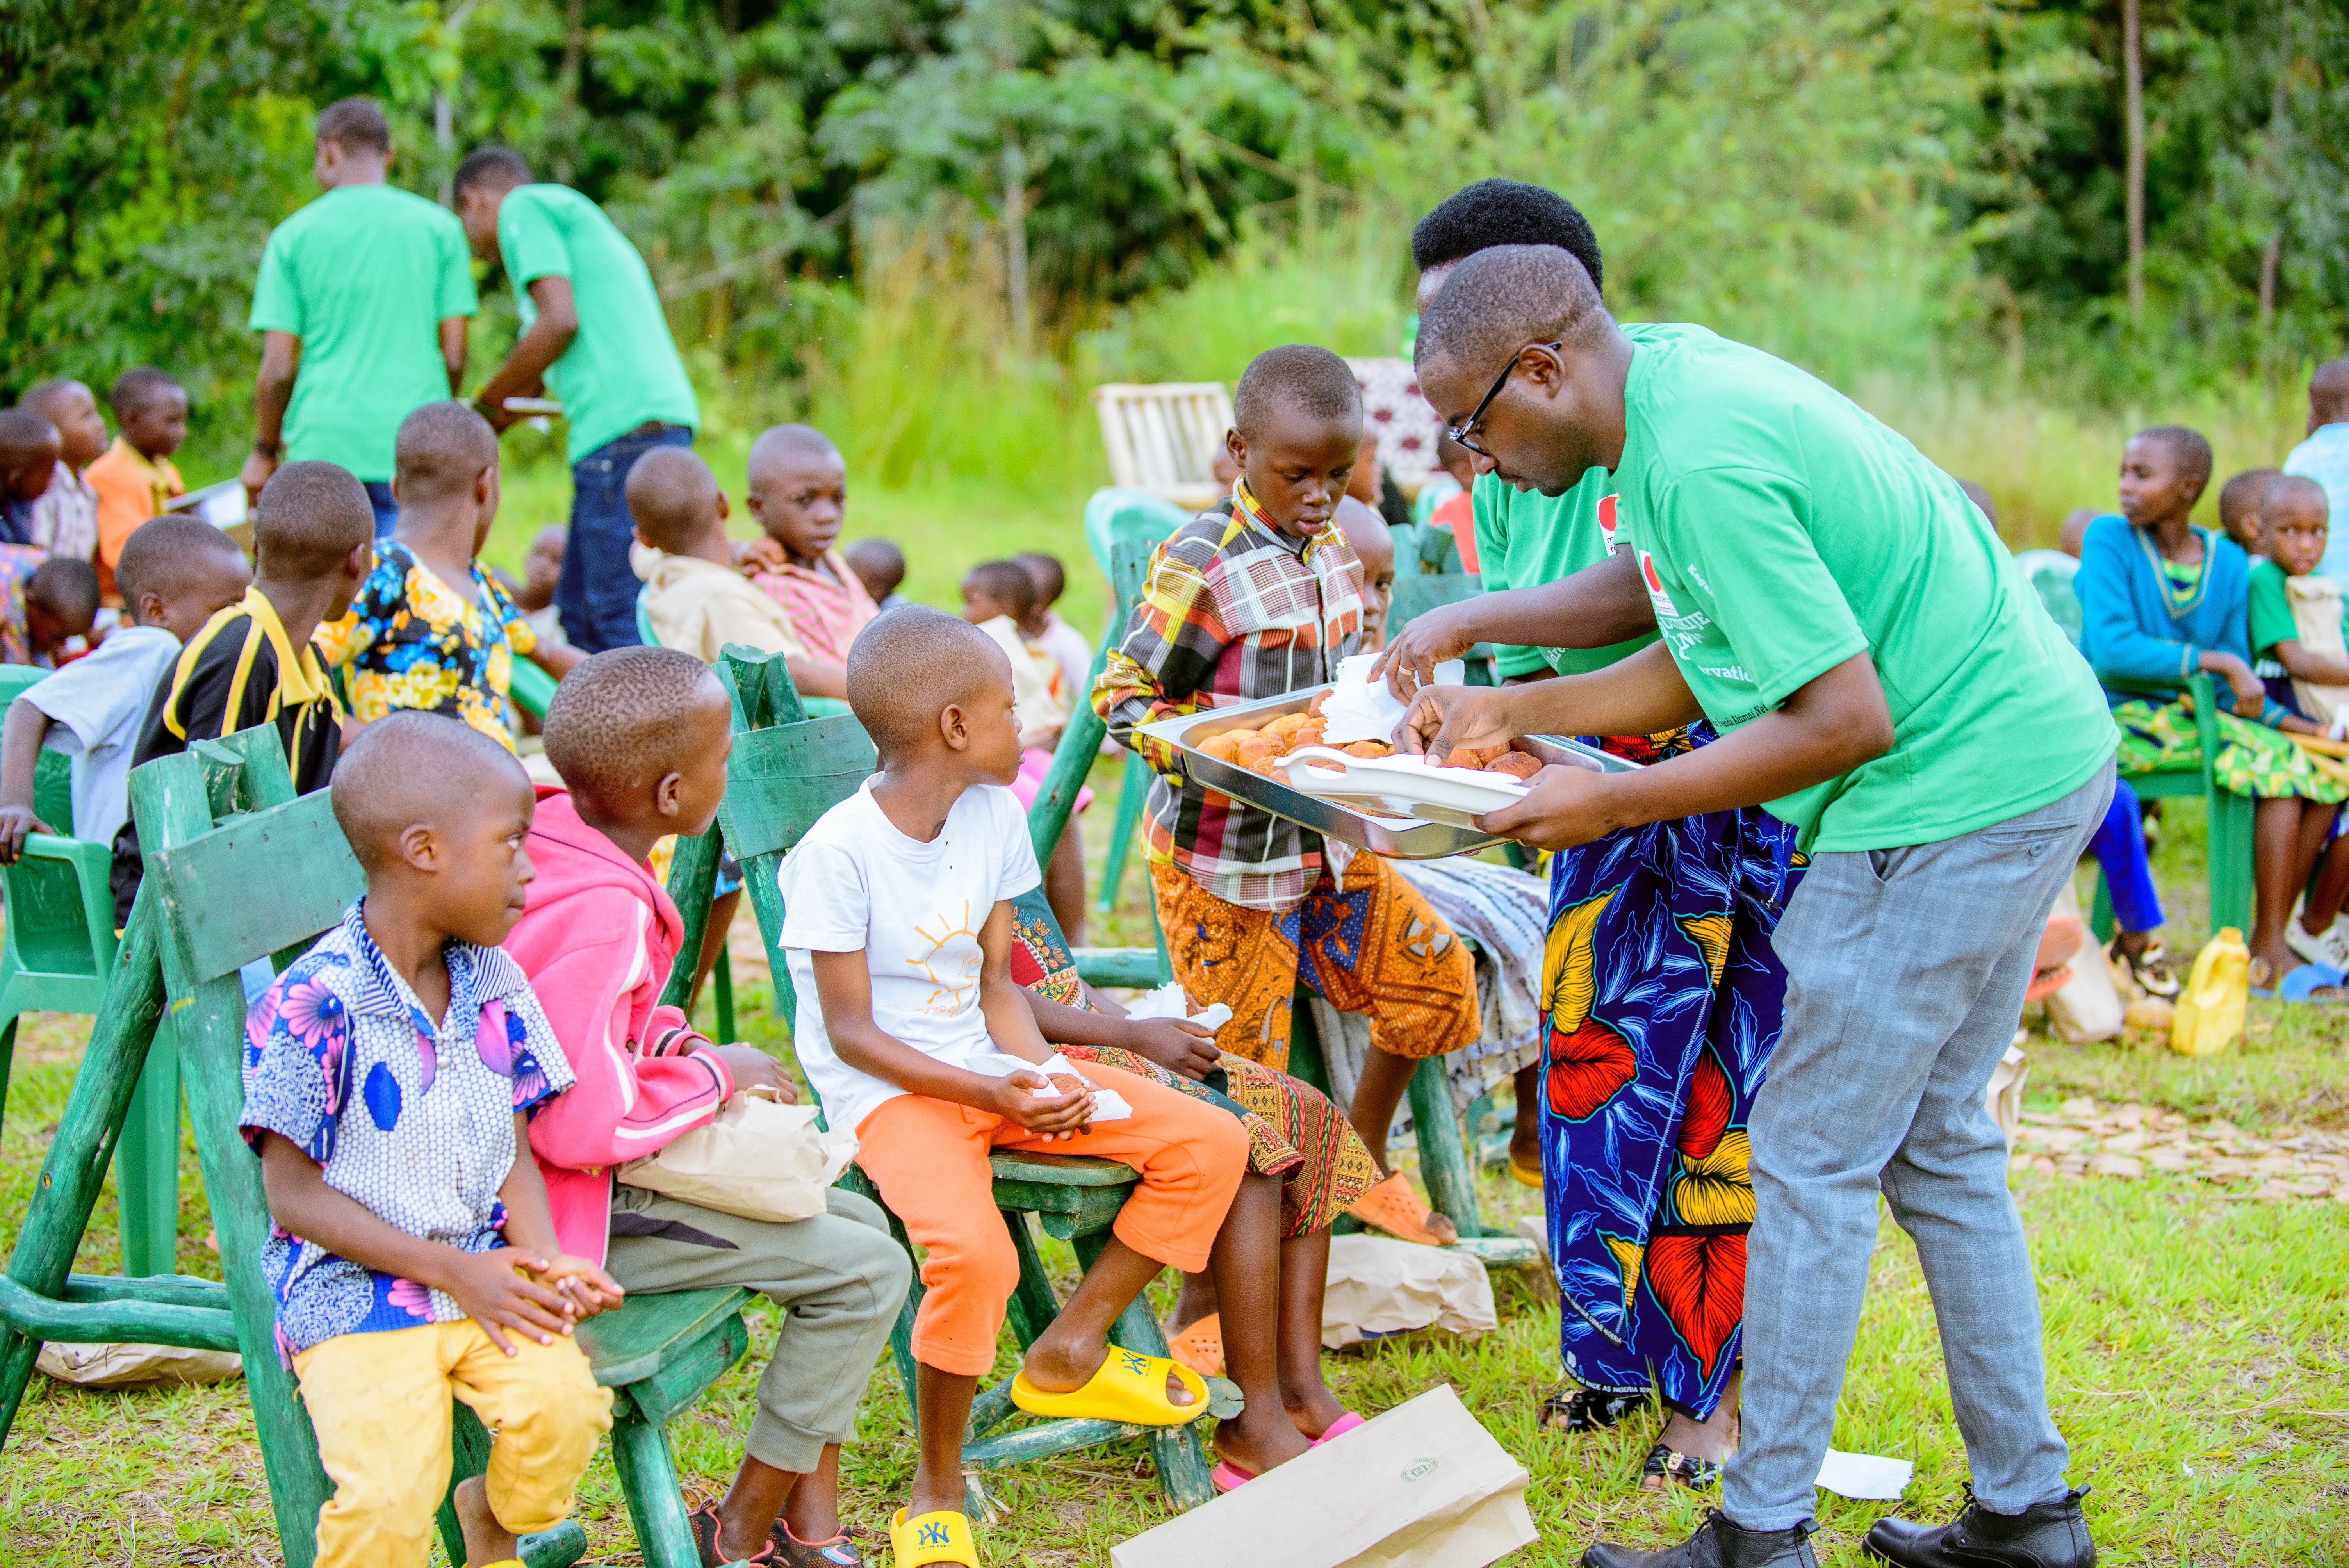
x=387 y=510
x=595 y=597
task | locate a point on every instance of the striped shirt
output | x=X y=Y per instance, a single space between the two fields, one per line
x=1233 y=610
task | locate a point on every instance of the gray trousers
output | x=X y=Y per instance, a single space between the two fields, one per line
x=838 y=1277
x=1905 y=975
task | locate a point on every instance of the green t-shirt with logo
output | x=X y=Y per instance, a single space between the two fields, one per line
x=621 y=369
x=1781 y=530
x=364 y=276
x=1525 y=539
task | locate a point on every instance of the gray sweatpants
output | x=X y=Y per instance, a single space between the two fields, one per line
x=1905 y=975
x=838 y=1277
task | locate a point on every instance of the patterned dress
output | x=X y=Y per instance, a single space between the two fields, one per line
x=413 y=641
x=1664 y=1002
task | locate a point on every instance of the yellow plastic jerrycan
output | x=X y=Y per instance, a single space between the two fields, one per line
x=2210 y=1007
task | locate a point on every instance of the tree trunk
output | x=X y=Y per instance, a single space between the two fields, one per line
x=1015 y=241
x=2271 y=257
x=2132 y=78
x=566 y=83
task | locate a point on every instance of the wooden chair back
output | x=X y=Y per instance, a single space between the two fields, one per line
x=1162 y=438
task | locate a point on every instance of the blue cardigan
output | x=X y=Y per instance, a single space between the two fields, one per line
x=2139 y=638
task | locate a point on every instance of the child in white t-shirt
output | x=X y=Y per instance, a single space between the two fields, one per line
x=898 y=927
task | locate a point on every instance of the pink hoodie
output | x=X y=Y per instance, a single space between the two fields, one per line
x=597 y=940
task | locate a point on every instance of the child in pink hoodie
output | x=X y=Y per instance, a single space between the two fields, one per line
x=640 y=737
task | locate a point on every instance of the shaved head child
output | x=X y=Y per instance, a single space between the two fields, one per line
x=1044 y=627
x=135 y=479
x=799 y=498
x=2238 y=509
x=413 y=1257
x=60 y=603
x=640 y=737
x=897 y=931
x=431 y=628
x=2325 y=456
x=880 y=565
x=29 y=449
x=697 y=601
x=1257 y=596
x=999 y=597
x=65 y=516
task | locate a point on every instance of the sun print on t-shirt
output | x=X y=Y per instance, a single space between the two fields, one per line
x=953 y=974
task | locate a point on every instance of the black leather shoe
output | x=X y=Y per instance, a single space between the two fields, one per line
x=2052 y=1534
x=1717 y=1543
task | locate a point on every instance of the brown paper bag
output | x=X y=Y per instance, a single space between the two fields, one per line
x=1422 y=1486
x=1379 y=1285
x=758 y=1158
x=137 y=1365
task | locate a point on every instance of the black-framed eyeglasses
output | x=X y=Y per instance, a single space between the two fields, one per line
x=1462 y=431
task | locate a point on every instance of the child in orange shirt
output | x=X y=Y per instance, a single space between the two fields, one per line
x=135 y=477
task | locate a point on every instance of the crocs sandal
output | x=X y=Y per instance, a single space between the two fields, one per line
x=1201 y=1347
x=791 y=1551
x=1586 y=1410
x=1393 y=1206
x=939 y=1537
x=703 y=1522
x=1128 y=1386
x=2302 y=984
x=1229 y=1477
x=1531 y=1175
x=1667 y=1467
x=1346 y=1422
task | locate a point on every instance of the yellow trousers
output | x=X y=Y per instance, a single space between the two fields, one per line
x=379 y=1403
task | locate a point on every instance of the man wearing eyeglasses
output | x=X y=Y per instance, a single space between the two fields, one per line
x=1885 y=682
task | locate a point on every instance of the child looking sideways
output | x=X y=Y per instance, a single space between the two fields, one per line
x=55 y=602
x=411 y=1253
x=29 y=448
x=640 y=737
x=880 y=565
x=798 y=496
x=2238 y=509
x=1043 y=627
x=65 y=516
x=695 y=600
x=430 y=628
x=2161 y=599
x=1257 y=596
x=998 y=597
x=135 y=477
x=175 y=576
x=897 y=930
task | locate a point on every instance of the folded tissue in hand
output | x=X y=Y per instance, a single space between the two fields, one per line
x=1361 y=708
x=1108 y=1104
x=1170 y=1001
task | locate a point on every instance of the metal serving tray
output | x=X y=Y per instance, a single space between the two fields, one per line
x=1401 y=839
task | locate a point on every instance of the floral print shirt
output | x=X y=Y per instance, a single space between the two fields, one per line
x=412 y=1119
x=413 y=641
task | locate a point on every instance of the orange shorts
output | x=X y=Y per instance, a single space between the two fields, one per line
x=929 y=1159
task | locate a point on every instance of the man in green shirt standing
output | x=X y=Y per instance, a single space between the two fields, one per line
x=1885 y=682
x=594 y=334
x=361 y=301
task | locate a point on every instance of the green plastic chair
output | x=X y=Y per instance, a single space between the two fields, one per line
x=239 y=868
x=531 y=688
x=786 y=771
x=2228 y=848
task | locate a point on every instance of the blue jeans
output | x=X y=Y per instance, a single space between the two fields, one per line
x=2119 y=848
x=387 y=510
x=597 y=594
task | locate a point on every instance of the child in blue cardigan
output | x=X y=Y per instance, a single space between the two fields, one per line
x=2161 y=600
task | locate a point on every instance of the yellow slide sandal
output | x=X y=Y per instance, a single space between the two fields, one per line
x=940 y=1537
x=1129 y=1387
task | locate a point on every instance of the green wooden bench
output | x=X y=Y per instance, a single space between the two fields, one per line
x=239 y=868
x=787 y=770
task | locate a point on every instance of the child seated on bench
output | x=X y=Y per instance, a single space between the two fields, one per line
x=640 y=737
x=390 y=1074
x=175 y=575
x=898 y=927
x=1257 y=596
x=58 y=602
x=798 y=495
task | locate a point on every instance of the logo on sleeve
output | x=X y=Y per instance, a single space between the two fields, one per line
x=1656 y=595
x=1607 y=522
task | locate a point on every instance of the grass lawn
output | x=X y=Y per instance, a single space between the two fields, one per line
x=2198 y=1345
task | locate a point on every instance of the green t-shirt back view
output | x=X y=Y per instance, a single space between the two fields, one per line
x=1781 y=530
x=621 y=369
x=364 y=276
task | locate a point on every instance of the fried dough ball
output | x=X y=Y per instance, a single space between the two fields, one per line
x=1369 y=749
x=1287 y=725
x=1268 y=766
x=1516 y=765
x=1313 y=709
x=1222 y=748
x=1310 y=733
x=1256 y=749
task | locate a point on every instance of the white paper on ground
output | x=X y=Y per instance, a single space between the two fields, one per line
x=1108 y=1104
x=1361 y=708
x=1865 y=1478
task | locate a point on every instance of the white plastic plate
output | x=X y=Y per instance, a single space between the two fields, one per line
x=1405 y=785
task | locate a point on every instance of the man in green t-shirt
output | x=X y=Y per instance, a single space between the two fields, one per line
x=361 y=301
x=594 y=334
x=1885 y=682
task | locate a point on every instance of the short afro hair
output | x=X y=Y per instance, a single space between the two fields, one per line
x=1503 y=213
x=2188 y=445
x=907 y=665
x=622 y=720
x=440 y=449
x=672 y=497
x=412 y=767
x=140 y=387
x=1007 y=581
x=355 y=125
x=2239 y=497
x=309 y=517
x=876 y=560
x=165 y=554
x=67 y=587
x=1301 y=375
x=1503 y=298
x=24 y=436
x=1051 y=577
x=501 y=167
x=2283 y=489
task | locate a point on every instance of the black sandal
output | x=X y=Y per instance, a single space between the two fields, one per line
x=1666 y=1465
x=703 y=1522
x=1586 y=1410
x=841 y=1552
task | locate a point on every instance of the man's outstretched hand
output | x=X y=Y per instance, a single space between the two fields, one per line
x=1445 y=717
x=1433 y=635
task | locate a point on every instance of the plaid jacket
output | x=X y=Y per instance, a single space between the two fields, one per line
x=1233 y=610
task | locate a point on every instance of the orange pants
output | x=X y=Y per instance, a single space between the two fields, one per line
x=928 y=1157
